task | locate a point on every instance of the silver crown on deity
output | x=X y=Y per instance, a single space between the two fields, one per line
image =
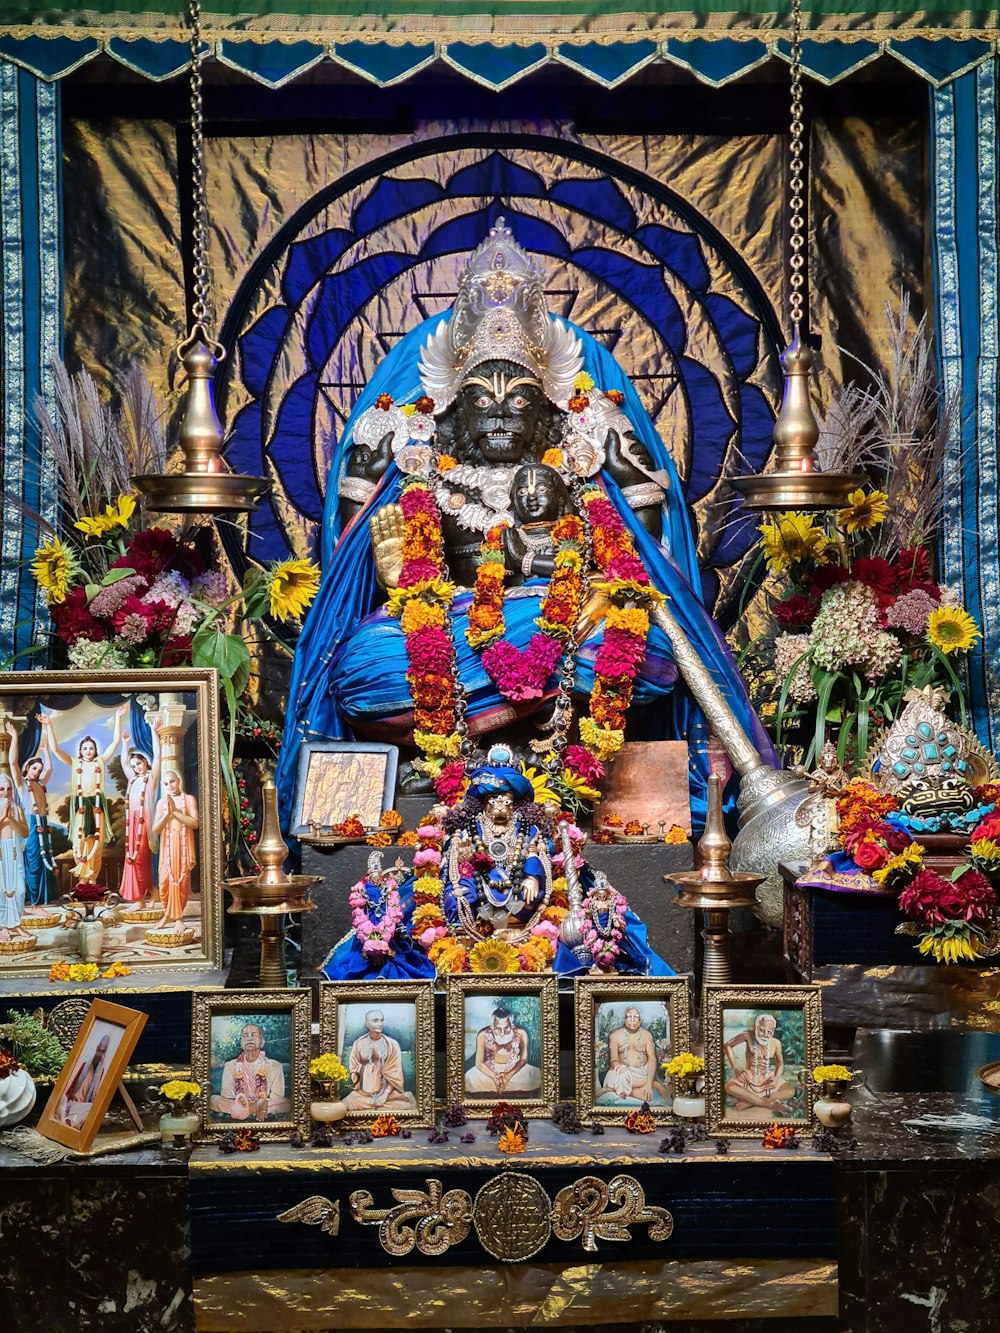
x=500 y=314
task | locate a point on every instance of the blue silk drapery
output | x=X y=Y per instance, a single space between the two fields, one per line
x=348 y=590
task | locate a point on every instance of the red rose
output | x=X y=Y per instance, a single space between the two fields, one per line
x=894 y=838
x=869 y=856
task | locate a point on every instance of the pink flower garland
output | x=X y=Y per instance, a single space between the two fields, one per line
x=522 y=675
x=375 y=939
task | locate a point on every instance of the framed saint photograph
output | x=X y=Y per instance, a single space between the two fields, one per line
x=503 y=1042
x=250 y=1053
x=626 y=1027
x=109 y=819
x=337 y=779
x=383 y=1034
x=90 y=1077
x=759 y=1040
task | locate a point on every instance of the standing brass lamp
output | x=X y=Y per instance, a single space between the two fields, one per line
x=205 y=484
x=797 y=482
x=715 y=889
x=271 y=894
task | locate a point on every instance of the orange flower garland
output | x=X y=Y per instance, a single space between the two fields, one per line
x=486 y=611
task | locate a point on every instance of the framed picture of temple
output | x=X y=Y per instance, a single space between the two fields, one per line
x=383 y=1034
x=250 y=1053
x=337 y=779
x=503 y=1042
x=110 y=849
x=761 y=1045
x=626 y=1027
x=90 y=1077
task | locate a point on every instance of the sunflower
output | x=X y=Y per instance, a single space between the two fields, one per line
x=905 y=862
x=952 y=629
x=291 y=586
x=493 y=956
x=863 y=511
x=950 y=948
x=539 y=780
x=53 y=565
x=792 y=539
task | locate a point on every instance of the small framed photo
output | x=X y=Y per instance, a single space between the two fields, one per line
x=337 y=779
x=383 y=1035
x=625 y=1028
x=758 y=1041
x=503 y=1042
x=91 y=1074
x=250 y=1052
x=110 y=805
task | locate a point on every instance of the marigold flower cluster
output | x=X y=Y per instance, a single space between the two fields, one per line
x=832 y=1074
x=780 y=1136
x=641 y=1121
x=327 y=1068
x=384 y=1127
x=684 y=1065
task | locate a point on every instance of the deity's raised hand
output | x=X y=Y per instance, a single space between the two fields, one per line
x=386 y=528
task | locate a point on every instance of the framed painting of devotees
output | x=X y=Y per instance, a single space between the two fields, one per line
x=503 y=1043
x=110 y=849
x=383 y=1034
x=626 y=1027
x=761 y=1045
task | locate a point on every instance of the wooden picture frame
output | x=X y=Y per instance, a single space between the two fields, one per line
x=91 y=1077
x=343 y=1007
x=598 y=1001
x=335 y=779
x=91 y=815
x=751 y=1071
x=471 y=998
x=219 y=1049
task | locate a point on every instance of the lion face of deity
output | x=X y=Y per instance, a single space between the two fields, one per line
x=500 y=808
x=500 y=407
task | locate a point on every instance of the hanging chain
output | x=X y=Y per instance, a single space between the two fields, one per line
x=796 y=185
x=202 y=291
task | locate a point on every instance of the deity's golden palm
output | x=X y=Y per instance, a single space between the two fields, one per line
x=386 y=527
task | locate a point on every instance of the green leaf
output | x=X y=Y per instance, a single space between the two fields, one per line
x=116 y=575
x=226 y=652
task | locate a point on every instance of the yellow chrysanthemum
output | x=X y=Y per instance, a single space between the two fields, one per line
x=427 y=887
x=291 y=587
x=583 y=383
x=864 y=510
x=178 y=1088
x=792 y=539
x=426 y=914
x=684 y=1065
x=444 y=746
x=908 y=859
x=327 y=1068
x=539 y=780
x=631 y=619
x=832 y=1073
x=408 y=409
x=493 y=956
x=952 y=629
x=52 y=566
x=82 y=971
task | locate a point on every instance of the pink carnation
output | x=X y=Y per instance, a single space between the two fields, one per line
x=619 y=655
x=603 y=513
x=429 y=650
x=522 y=675
x=418 y=571
x=627 y=566
x=587 y=767
x=418 y=500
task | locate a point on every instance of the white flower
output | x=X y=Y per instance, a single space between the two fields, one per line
x=422 y=427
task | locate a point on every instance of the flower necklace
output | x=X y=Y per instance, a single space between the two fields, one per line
x=376 y=938
x=603 y=938
x=521 y=674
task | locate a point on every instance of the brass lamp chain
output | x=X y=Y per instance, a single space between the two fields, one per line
x=796 y=185
x=202 y=289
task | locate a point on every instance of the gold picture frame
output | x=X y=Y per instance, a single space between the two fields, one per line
x=487 y=994
x=219 y=1024
x=796 y=1023
x=343 y=1007
x=92 y=1075
x=87 y=835
x=600 y=1001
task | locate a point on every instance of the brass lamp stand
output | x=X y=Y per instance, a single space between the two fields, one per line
x=715 y=889
x=272 y=893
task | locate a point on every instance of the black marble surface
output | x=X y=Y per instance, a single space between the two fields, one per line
x=101 y=1245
